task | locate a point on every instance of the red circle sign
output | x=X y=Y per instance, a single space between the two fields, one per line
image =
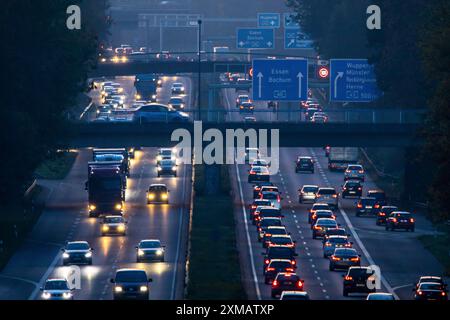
x=323 y=72
x=250 y=72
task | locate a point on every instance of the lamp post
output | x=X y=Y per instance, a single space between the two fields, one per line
x=199 y=23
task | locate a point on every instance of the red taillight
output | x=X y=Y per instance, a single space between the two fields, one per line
x=354 y=259
x=327 y=244
x=335 y=258
x=334 y=195
x=266 y=261
x=411 y=220
x=293 y=262
x=289 y=269
x=359 y=205
x=382 y=214
x=254 y=207
x=270 y=269
x=274 y=283
x=317 y=228
x=443 y=293
x=348 y=278
x=348 y=245
x=419 y=293
x=376 y=206
x=299 y=284
x=394 y=220
x=359 y=188
x=314 y=216
x=252 y=172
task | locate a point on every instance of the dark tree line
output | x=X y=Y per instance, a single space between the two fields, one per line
x=45 y=67
x=411 y=56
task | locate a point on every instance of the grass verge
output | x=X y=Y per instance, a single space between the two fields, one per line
x=214 y=271
x=56 y=167
x=439 y=246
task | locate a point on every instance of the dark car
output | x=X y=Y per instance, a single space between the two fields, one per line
x=304 y=164
x=321 y=226
x=266 y=212
x=257 y=203
x=279 y=252
x=384 y=212
x=130 y=284
x=258 y=173
x=379 y=195
x=77 y=252
x=428 y=291
x=357 y=280
x=257 y=187
x=286 y=281
x=343 y=258
x=157 y=193
x=351 y=188
x=275 y=266
x=246 y=107
x=315 y=207
x=367 y=205
x=400 y=220
x=265 y=223
x=334 y=232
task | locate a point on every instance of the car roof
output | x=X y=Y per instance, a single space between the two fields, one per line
x=335 y=236
x=295 y=293
x=401 y=212
x=157 y=185
x=55 y=280
x=129 y=269
x=280 y=260
x=321 y=204
x=367 y=198
x=150 y=240
x=77 y=242
x=324 y=220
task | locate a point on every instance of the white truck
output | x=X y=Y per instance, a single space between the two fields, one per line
x=340 y=157
x=220 y=53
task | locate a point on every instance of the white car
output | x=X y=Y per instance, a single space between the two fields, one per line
x=56 y=289
x=259 y=162
x=307 y=193
x=251 y=154
x=150 y=250
x=354 y=172
x=177 y=88
x=273 y=197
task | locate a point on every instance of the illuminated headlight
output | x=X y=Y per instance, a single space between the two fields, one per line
x=103 y=60
x=120 y=90
x=140 y=252
x=121 y=228
x=118 y=206
x=143 y=288
x=138 y=97
x=118 y=289
x=105 y=228
x=67 y=295
x=65 y=255
x=182 y=105
x=164 y=196
x=115 y=59
x=124 y=59
x=151 y=196
x=88 y=255
x=182 y=88
x=159 y=81
x=154 y=96
x=92 y=207
x=159 y=252
x=159 y=158
x=46 y=295
x=174 y=168
x=159 y=168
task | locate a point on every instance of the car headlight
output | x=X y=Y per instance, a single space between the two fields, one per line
x=164 y=196
x=65 y=255
x=92 y=207
x=159 y=158
x=143 y=289
x=88 y=255
x=103 y=60
x=118 y=206
x=67 y=295
x=159 y=252
x=46 y=295
x=120 y=90
x=154 y=96
x=124 y=59
x=138 y=97
x=140 y=252
x=174 y=168
x=118 y=289
x=159 y=168
x=105 y=228
x=182 y=105
x=151 y=196
x=121 y=228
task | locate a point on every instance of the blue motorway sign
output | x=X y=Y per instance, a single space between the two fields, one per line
x=295 y=39
x=255 y=38
x=352 y=80
x=268 y=20
x=289 y=20
x=280 y=80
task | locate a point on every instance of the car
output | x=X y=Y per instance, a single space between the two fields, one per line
x=269 y=189
x=256 y=203
x=322 y=224
x=167 y=167
x=246 y=107
x=280 y=240
x=428 y=291
x=307 y=193
x=155 y=112
x=380 y=296
x=379 y=195
x=335 y=232
x=344 y=258
x=258 y=173
x=354 y=172
x=384 y=212
x=104 y=110
x=327 y=195
x=310 y=112
x=267 y=212
x=113 y=225
x=177 y=103
x=315 y=207
x=275 y=266
x=257 y=187
x=309 y=101
x=158 y=193
x=265 y=223
x=241 y=99
x=294 y=295
x=322 y=214
x=249 y=119
x=351 y=188
x=321 y=114
x=333 y=242
x=271 y=231
x=177 y=88
x=274 y=198
x=367 y=205
x=400 y=220
x=130 y=284
x=251 y=154
x=165 y=154
x=436 y=279
x=304 y=164
x=357 y=279
x=259 y=163
x=56 y=289
x=77 y=252
x=318 y=118
x=278 y=252
x=150 y=249
x=286 y=281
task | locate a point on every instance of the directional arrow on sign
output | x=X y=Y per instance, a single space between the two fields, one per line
x=241 y=44
x=339 y=76
x=260 y=76
x=269 y=44
x=300 y=77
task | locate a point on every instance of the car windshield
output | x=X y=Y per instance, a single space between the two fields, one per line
x=150 y=244
x=337 y=240
x=114 y=220
x=158 y=189
x=270 y=222
x=56 y=285
x=354 y=168
x=327 y=191
x=77 y=246
x=310 y=189
x=131 y=276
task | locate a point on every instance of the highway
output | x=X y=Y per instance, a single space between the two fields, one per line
x=401 y=257
x=65 y=218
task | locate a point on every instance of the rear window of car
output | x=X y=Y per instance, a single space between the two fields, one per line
x=279 y=231
x=431 y=286
x=377 y=194
x=337 y=232
x=280 y=264
x=304 y=160
x=337 y=240
x=357 y=272
x=280 y=251
x=368 y=201
x=270 y=222
x=352 y=184
x=270 y=196
x=77 y=246
x=327 y=191
x=321 y=207
x=310 y=189
x=354 y=168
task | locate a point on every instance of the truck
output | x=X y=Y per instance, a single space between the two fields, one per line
x=146 y=85
x=106 y=189
x=115 y=155
x=340 y=157
x=221 y=53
